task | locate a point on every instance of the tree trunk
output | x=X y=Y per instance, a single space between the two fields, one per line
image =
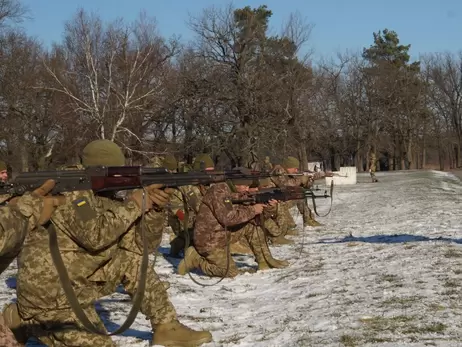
x=303 y=158
x=457 y=154
x=23 y=157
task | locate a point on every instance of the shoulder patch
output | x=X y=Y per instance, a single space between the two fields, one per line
x=193 y=201
x=83 y=209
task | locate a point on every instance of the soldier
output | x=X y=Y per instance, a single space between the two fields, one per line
x=219 y=223
x=276 y=234
x=100 y=244
x=291 y=165
x=16 y=220
x=3 y=171
x=3 y=179
x=373 y=164
x=267 y=166
x=185 y=204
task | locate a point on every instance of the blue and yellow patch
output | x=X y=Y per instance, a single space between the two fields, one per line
x=83 y=209
x=80 y=202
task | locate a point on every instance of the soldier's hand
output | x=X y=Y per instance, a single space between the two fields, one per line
x=158 y=196
x=49 y=202
x=258 y=208
x=45 y=188
x=273 y=202
x=137 y=197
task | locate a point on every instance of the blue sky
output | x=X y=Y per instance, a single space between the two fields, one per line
x=428 y=25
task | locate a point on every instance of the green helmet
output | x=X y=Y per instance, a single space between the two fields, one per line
x=291 y=163
x=170 y=162
x=206 y=159
x=102 y=152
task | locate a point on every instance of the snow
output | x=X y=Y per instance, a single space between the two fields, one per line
x=384 y=270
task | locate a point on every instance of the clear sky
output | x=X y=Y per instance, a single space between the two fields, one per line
x=428 y=25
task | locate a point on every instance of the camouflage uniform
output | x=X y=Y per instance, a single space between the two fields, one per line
x=100 y=244
x=302 y=205
x=15 y=222
x=218 y=224
x=3 y=197
x=273 y=226
x=184 y=207
x=185 y=204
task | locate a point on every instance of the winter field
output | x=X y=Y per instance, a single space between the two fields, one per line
x=384 y=270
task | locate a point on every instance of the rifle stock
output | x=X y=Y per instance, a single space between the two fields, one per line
x=116 y=178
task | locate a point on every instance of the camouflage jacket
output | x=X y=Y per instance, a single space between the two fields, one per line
x=372 y=162
x=15 y=222
x=90 y=229
x=186 y=197
x=216 y=216
x=4 y=199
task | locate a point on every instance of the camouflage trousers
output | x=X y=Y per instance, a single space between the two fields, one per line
x=284 y=218
x=307 y=214
x=220 y=263
x=373 y=177
x=122 y=269
x=272 y=228
x=7 y=338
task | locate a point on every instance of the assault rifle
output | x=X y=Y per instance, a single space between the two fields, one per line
x=117 y=178
x=263 y=196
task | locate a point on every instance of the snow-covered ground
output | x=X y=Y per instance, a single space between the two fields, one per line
x=384 y=270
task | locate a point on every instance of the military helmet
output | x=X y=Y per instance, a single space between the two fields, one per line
x=208 y=162
x=102 y=152
x=291 y=163
x=170 y=162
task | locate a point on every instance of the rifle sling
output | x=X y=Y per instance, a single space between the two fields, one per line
x=72 y=297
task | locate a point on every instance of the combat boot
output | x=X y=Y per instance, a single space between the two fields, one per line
x=292 y=231
x=312 y=223
x=239 y=248
x=175 y=334
x=263 y=255
x=190 y=261
x=13 y=322
x=277 y=264
x=281 y=240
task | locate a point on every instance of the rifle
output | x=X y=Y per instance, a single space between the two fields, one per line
x=116 y=178
x=263 y=196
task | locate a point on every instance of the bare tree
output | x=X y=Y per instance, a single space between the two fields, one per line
x=113 y=73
